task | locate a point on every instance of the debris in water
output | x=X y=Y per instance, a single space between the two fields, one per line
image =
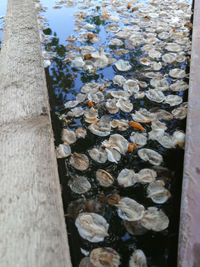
x=92 y=226
x=104 y=178
x=150 y=155
x=102 y=257
x=155 y=219
x=79 y=184
x=79 y=161
x=138 y=259
x=129 y=209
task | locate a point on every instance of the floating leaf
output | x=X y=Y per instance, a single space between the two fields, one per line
x=146 y=176
x=63 y=151
x=134 y=228
x=155 y=95
x=102 y=127
x=136 y=126
x=179 y=86
x=123 y=65
x=143 y=115
x=98 y=154
x=129 y=209
x=138 y=259
x=104 y=178
x=119 y=143
x=91 y=115
x=80 y=133
x=90 y=88
x=173 y=47
x=157 y=192
x=116 y=41
x=85 y=262
x=127 y=178
x=68 y=136
x=102 y=257
x=122 y=125
x=155 y=219
x=177 y=73
x=140 y=139
x=162 y=114
x=79 y=161
x=180 y=113
x=75 y=112
x=131 y=86
x=150 y=155
x=119 y=94
x=169 y=58
x=111 y=106
x=119 y=80
x=124 y=105
x=92 y=226
x=179 y=138
x=173 y=100
x=79 y=184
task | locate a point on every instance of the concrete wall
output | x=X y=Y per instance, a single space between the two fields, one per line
x=189 y=238
x=33 y=232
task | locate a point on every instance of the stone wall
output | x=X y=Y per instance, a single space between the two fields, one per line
x=33 y=231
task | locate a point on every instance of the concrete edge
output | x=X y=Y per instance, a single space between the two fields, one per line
x=189 y=232
x=33 y=230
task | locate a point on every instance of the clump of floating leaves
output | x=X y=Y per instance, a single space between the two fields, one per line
x=121 y=121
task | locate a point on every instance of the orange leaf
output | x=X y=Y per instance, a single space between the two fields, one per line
x=90 y=104
x=111 y=144
x=102 y=88
x=131 y=147
x=76 y=155
x=87 y=56
x=105 y=16
x=189 y=25
x=91 y=36
x=136 y=126
x=144 y=60
x=153 y=3
x=134 y=8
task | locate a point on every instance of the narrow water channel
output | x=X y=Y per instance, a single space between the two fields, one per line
x=117 y=75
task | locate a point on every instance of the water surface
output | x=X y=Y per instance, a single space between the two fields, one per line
x=64 y=82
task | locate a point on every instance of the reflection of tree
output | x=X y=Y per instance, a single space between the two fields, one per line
x=59 y=76
x=85 y=77
x=97 y=20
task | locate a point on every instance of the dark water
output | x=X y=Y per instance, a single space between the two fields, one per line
x=63 y=84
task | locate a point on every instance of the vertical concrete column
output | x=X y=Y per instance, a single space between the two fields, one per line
x=189 y=238
x=32 y=227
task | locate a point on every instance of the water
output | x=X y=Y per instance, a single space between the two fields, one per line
x=64 y=82
x=2 y=14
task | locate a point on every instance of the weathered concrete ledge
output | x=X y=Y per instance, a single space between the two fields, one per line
x=33 y=231
x=189 y=237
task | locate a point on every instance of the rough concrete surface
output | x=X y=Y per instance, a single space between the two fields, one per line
x=32 y=227
x=189 y=237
